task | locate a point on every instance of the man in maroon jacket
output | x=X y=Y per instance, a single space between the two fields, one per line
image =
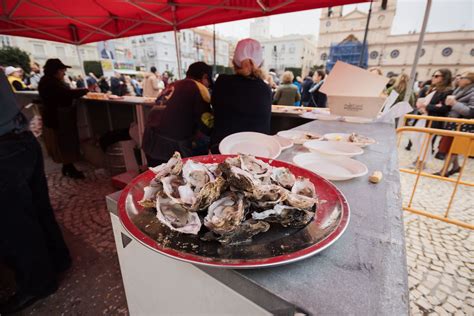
x=186 y=117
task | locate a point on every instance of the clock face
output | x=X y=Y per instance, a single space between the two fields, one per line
x=381 y=18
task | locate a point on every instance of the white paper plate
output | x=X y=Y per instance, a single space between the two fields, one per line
x=320 y=116
x=297 y=136
x=344 y=137
x=355 y=119
x=333 y=148
x=250 y=143
x=336 y=169
x=285 y=143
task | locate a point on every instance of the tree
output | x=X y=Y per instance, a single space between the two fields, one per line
x=13 y=56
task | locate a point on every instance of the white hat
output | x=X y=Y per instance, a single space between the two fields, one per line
x=9 y=70
x=248 y=49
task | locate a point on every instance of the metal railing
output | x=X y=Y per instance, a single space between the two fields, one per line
x=462 y=144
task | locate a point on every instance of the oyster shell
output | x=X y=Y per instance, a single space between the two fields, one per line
x=225 y=214
x=196 y=174
x=149 y=195
x=176 y=217
x=214 y=169
x=254 y=166
x=208 y=194
x=304 y=187
x=300 y=201
x=244 y=232
x=287 y=216
x=266 y=196
x=239 y=179
x=177 y=190
x=284 y=177
x=173 y=166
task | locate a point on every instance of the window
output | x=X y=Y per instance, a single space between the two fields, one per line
x=324 y=56
x=328 y=23
x=374 y=54
x=472 y=52
x=447 y=51
x=395 y=53
x=167 y=67
x=149 y=38
x=184 y=36
x=292 y=50
x=282 y=49
x=39 y=49
x=422 y=53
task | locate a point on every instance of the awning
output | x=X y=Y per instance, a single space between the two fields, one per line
x=84 y=21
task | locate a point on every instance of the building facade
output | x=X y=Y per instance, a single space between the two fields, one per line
x=291 y=51
x=41 y=50
x=159 y=50
x=395 y=53
x=155 y=50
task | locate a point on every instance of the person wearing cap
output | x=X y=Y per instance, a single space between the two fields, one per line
x=31 y=241
x=243 y=101
x=60 y=118
x=14 y=77
x=184 y=122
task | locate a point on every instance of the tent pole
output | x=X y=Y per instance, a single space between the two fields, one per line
x=364 y=43
x=178 y=52
x=81 y=62
x=418 y=50
x=214 y=67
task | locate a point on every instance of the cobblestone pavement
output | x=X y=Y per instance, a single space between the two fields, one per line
x=440 y=256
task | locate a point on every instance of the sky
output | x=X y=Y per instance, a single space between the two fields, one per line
x=445 y=15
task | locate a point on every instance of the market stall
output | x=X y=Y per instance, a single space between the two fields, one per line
x=361 y=270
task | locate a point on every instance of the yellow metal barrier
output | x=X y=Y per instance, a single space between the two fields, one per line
x=463 y=144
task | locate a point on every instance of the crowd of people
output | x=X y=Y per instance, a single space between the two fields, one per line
x=443 y=96
x=146 y=84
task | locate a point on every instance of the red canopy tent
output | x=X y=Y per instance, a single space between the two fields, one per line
x=84 y=21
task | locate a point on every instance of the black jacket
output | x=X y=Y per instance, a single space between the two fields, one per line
x=56 y=94
x=240 y=104
x=305 y=95
x=435 y=110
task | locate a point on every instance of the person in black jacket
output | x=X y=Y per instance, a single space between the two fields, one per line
x=185 y=119
x=242 y=102
x=441 y=86
x=307 y=83
x=317 y=98
x=60 y=117
x=31 y=241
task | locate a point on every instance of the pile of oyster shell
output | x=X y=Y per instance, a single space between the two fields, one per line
x=235 y=199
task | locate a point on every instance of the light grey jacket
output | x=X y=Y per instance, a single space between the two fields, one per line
x=464 y=102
